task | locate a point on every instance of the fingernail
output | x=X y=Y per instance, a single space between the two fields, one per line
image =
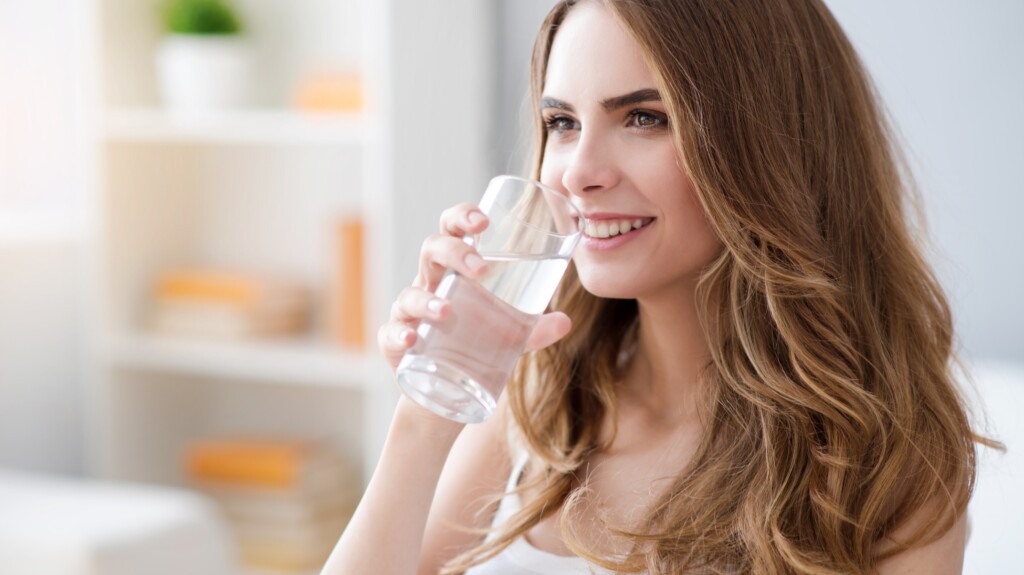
x=403 y=336
x=475 y=218
x=474 y=262
x=434 y=305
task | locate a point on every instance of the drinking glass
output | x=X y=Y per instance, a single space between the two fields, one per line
x=459 y=365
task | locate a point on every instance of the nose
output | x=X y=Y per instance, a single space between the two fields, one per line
x=592 y=166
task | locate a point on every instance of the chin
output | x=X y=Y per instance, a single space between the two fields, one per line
x=611 y=286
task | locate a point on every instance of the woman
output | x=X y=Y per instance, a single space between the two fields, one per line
x=757 y=379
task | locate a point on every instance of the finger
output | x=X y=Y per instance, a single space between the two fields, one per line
x=463 y=219
x=441 y=252
x=394 y=339
x=415 y=304
x=550 y=328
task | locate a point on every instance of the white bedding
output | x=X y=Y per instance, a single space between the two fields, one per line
x=53 y=525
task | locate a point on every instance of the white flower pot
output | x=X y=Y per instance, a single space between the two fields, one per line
x=204 y=73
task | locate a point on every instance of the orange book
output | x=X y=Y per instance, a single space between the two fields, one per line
x=213 y=303
x=227 y=288
x=349 y=323
x=268 y=463
x=330 y=92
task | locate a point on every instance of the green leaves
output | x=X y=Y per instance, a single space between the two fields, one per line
x=200 y=17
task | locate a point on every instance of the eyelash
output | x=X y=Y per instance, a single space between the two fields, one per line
x=661 y=121
x=552 y=124
x=555 y=123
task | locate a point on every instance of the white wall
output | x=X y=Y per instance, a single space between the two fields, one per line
x=518 y=23
x=41 y=345
x=41 y=358
x=952 y=74
x=430 y=62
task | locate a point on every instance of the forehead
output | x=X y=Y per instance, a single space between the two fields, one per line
x=593 y=57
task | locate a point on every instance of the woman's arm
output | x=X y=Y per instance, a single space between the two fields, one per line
x=385 y=535
x=427 y=485
x=400 y=526
x=477 y=470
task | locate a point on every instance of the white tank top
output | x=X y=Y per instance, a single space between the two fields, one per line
x=520 y=557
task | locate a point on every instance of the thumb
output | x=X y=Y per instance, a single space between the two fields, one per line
x=550 y=328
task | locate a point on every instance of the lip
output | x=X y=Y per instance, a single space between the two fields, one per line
x=604 y=244
x=599 y=216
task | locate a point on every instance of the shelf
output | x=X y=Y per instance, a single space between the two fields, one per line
x=261 y=189
x=300 y=362
x=252 y=126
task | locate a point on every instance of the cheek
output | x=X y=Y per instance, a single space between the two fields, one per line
x=704 y=243
x=658 y=170
x=551 y=170
x=666 y=178
x=686 y=240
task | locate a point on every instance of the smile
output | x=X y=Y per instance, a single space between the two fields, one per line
x=605 y=229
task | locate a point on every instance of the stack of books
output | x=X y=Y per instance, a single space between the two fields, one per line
x=225 y=305
x=287 y=501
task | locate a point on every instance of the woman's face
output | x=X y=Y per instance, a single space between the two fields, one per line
x=609 y=145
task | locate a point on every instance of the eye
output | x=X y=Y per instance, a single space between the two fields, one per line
x=559 y=124
x=645 y=120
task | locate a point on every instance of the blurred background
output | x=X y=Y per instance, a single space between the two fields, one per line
x=207 y=208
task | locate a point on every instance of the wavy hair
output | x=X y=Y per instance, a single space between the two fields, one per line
x=830 y=405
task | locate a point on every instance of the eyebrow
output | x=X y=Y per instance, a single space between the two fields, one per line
x=611 y=104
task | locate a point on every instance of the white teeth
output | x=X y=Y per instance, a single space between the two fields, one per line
x=608 y=229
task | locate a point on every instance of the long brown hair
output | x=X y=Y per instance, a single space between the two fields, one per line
x=831 y=411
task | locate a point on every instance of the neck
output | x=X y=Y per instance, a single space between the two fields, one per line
x=670 y=353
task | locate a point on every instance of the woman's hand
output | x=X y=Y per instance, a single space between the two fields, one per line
x=439 y=253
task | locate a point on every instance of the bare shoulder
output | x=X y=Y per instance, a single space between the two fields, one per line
x=476 y=470
x=943 y=556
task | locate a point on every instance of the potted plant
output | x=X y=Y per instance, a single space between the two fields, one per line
x=203 y=62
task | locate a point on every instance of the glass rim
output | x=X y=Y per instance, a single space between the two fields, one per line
x=574 y=211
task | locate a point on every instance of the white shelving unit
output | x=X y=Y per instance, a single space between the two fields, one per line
x=297 y=362
x=261 y=189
